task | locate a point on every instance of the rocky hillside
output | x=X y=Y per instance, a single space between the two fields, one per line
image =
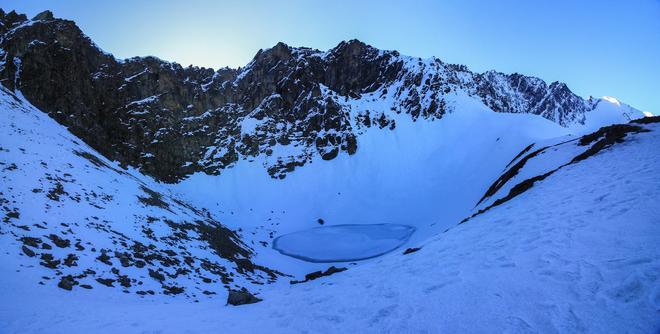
x=72 y=219
x=288 y=106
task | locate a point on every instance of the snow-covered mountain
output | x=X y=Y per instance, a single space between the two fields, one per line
x=139 y=187
x=291 y=105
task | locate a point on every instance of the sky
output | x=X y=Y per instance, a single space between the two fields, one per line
x=597 y=48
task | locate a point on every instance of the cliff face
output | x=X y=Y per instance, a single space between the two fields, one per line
x=288 y=106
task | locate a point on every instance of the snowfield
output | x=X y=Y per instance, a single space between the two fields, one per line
x=576 y=252
x=74 y=220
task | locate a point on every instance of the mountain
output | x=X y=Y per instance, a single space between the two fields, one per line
x=413 y=195
x=574 y=251
x=170 y=121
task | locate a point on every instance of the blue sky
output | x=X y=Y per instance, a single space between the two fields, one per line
x=596 y=47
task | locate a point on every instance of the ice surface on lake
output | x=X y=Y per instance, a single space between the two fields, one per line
x=342 y=243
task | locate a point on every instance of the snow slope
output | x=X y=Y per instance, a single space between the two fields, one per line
x=426 y=174
x=73 y=219
x=577 y=252
x=607 y=110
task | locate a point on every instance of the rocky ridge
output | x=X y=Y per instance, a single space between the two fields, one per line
x=286 y=107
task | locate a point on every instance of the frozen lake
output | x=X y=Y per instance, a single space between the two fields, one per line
x=343 y=243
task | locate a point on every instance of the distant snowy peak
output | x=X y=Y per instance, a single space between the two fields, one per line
x=608 y=110
x=513 y=93
x=287 y=107
x=521 y=94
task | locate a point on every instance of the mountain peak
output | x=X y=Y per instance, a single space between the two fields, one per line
x=44 y=16
x=8 y=20
x=352 y=47
x=354 y=43
x=278 y=52
x=280 y=48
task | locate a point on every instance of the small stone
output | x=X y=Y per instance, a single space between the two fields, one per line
x=59 y=242
x=156 y=275
x=67 y=282
x=27 y=251
x=106 y=281
x=71 y=260
x=411 y=250
x=48 y=261
x=104 y=258
x=33 y=242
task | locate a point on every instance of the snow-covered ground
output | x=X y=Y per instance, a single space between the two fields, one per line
x=578 y=252
x=428 y=174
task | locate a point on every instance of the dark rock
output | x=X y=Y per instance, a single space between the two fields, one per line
x=172 y=290
x=59 y=242
x=48 y=261
x=45 y=15
x=67 y=282
x=104 y=258
x=330 y=154
x=411 y=250
x=318 y=274
x=124 y=258
x=55 y=193
x=241 y=297
x=647 y=120
x=106 y=281
x=28 y=251
x=153 y=199
x=156 y=275
x=30 y=241
x=124 y=281
x=13 y=214
x=71 y=260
